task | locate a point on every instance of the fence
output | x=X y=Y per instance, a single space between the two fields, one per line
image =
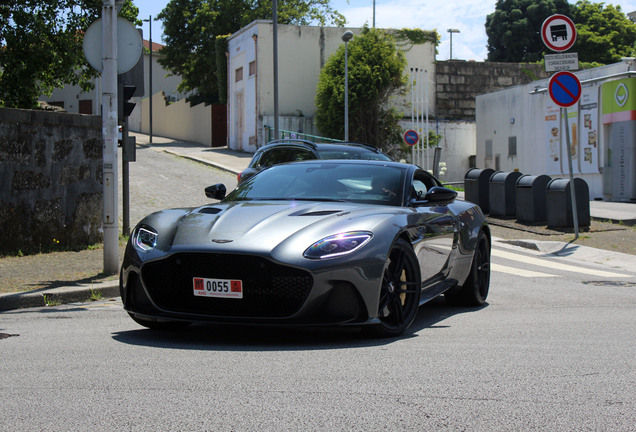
x=286 y=134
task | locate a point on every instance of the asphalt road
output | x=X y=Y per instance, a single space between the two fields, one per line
x=159 y=181
x=553 y=350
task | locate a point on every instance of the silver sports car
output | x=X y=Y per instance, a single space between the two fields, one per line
x=356 y=243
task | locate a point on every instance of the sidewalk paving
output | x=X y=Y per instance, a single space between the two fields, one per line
x=234 y=162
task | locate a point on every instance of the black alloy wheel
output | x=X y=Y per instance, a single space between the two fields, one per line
x=400 y=292
x=475 y=290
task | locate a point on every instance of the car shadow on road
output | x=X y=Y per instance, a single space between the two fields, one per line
x=206 y=337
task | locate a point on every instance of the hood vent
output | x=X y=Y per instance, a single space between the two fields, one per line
x=209 y=210
x=319 y=213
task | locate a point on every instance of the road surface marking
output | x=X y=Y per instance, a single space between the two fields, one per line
x=555 y=265
x=518 y=272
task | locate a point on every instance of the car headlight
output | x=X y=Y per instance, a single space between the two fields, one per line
x=337 y=245
x=144 y=239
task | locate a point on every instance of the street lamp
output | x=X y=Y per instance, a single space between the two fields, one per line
x=451 y=31
x=346 y=37
x=149 y=21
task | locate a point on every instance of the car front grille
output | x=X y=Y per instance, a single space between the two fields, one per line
x=269 y=289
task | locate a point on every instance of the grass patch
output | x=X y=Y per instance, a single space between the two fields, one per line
x=50 y=301
x=53 y=247
x=96 y=295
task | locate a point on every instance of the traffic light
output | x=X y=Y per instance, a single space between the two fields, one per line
x=125 y=107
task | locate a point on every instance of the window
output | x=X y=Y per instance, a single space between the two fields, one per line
x=512 y=146
x=252 y=67
x=488 y=149
x=238 y=74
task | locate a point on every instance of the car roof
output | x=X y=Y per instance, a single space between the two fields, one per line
x=319 y=146
x=355 y=162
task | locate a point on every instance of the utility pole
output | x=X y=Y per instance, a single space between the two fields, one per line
x=275 y=42
x=109 y=128
x=150 y=72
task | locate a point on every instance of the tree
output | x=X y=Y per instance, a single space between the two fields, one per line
x=41 y=47
x=605 y=34
x=191 y=27
x=514 y=29
x=375 y=73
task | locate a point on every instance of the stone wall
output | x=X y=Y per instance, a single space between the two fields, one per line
x=50 y=180
x=459 y=82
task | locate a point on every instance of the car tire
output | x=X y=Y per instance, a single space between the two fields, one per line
x=159 y=325
x=475 y=289
x=400 y=291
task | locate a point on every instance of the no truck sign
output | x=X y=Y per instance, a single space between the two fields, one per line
x=558 y=32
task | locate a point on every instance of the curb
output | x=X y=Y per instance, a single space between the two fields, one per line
x=62 y=295
x=203 y=161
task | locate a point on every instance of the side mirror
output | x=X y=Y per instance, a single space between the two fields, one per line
x=439 y=194
x=216 y=191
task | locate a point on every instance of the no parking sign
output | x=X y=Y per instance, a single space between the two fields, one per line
x=411 y=137
x=565 y=89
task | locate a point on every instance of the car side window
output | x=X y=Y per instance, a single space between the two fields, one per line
x=422 y=183
x=419 y=189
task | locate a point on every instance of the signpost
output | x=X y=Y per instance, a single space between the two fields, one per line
x=112 y=46
x=559 y=34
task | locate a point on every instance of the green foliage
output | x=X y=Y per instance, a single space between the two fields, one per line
x=408 y=36
x=41 y=47
x=433 y=138
x=190 y=29
x=605 y=34
x=514 y=29
x=375 y=73
x=220 y=47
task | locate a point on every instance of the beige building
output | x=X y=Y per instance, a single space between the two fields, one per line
x=73 y=100
x=302 y=52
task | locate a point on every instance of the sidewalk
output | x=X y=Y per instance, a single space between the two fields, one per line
x=235 y=162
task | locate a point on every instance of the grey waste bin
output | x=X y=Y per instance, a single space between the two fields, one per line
x=501 y=192
x=476 y=186
x=559 y=203
x=532 y=193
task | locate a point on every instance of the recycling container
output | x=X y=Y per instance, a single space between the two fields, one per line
x=532 y=193
x=501 y=192
x=559 y=203
x=476 y=186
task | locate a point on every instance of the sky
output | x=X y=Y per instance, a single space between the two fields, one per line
x=467 y=16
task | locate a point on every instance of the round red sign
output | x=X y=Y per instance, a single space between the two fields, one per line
x=558 y=32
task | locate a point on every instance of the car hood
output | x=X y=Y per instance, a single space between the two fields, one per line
x=262 y=225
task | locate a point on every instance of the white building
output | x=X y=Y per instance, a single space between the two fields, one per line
x=302 y=52
x=522 y=129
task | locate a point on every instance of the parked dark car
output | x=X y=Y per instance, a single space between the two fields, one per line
x=293 y=150
x=347 y=243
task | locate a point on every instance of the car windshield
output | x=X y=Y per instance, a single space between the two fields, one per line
x=369 y=183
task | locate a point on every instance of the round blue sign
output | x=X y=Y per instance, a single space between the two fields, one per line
x=411 y=137
x=565 y=89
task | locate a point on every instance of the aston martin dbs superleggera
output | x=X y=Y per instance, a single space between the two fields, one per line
x=361 y=243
